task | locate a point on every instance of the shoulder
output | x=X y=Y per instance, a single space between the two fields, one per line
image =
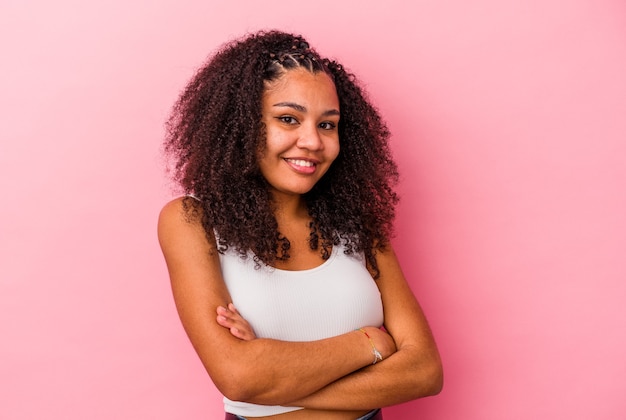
x=180 y=222
x=181 y=210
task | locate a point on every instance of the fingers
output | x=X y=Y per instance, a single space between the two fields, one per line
x=231 y=319
x=226 y=318
x=242 y=335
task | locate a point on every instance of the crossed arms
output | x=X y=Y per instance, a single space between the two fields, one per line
x=330 y=374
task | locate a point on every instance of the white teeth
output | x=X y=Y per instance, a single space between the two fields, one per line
x=300 y=162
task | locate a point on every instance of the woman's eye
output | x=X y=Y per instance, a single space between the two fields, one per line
x=328 y=125
x=288 y=119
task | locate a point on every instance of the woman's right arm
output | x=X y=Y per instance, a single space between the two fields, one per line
x=240 y=369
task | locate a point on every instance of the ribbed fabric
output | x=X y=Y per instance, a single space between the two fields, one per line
x=331 y=299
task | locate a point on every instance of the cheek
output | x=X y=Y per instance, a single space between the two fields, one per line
x=333 y=150
x=275 y=141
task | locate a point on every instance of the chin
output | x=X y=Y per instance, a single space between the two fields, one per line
x=295 y=190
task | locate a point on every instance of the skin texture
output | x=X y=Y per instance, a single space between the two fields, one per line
x=333 y=378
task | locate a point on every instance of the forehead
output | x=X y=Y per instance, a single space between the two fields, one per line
x=301 y=84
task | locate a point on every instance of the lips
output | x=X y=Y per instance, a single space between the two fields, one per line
x=303 y=166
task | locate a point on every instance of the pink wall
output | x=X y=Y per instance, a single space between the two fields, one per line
x=509 y=122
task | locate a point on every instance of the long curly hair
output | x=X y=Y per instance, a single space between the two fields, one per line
x=215 y=134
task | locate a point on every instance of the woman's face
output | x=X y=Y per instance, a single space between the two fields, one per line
x=300 y=111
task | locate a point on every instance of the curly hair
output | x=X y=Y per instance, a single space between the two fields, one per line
x=215 y=133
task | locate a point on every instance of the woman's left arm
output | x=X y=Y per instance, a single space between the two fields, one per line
x=413 y=371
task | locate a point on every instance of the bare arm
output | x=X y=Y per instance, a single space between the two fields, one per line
x=242 y=369
x=412 y=372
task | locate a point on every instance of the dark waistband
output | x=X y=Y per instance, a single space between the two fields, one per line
x=378 y=415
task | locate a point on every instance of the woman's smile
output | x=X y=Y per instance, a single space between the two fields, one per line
x=300 y=111
x=302 y=165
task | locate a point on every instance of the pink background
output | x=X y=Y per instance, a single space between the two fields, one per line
x=509 y=122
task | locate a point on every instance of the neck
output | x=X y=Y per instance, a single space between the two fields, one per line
x=289 y=207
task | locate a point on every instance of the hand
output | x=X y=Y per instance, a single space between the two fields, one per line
x=383 y=342
x=231 y=318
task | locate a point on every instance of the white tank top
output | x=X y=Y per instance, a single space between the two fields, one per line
x=331 y=299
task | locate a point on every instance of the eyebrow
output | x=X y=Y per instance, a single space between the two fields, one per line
x=301 y=108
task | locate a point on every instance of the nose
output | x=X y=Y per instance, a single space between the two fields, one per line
x=309 y=138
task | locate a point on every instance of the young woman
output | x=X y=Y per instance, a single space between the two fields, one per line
x=279 y=253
